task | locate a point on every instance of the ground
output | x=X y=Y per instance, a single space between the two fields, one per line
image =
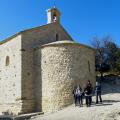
x=108 y=110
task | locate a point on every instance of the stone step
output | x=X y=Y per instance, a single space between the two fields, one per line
x=20 y=117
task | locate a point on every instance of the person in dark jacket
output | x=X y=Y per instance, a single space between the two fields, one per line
x=88 y=93
x=74 y=95
x=98 y=92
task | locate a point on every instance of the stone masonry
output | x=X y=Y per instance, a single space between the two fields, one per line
x=40 y=66
x=59 y=67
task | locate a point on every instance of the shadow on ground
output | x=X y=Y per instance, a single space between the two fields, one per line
x=105 y=103
x=110 y=101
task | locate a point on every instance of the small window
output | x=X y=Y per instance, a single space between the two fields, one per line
x=54 y=17
x=89 y=66
x=7 y=61
x=57 y=37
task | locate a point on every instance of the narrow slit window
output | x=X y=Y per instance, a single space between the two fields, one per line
x=7 y=61
x=89 y=66
x=57 y=37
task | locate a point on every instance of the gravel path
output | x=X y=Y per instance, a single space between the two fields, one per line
x=108 y=110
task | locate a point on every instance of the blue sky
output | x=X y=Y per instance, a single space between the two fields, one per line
x=83 y=19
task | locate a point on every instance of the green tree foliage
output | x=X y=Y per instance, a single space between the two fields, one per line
x=117 y=67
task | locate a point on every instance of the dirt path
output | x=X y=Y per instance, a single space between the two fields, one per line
x=108 y=110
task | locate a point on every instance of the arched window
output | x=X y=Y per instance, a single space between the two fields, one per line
x=89 y=66
x=57 y=37
x=7 y=60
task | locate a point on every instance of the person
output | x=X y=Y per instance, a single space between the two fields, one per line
x=78 y=95
x=98 y=92
x=88 y=93
x=81 y=97
x=74 y=95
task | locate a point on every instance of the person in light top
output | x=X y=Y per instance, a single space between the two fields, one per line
x=78 y=93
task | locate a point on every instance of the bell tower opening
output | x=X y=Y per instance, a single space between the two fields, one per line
x=53 y=15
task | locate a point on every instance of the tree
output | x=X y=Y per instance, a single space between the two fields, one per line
x=107 y=55
x=117 y=67
x=112 y=55
x=101 y=56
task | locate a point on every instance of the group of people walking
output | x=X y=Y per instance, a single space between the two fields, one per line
x=86 y=93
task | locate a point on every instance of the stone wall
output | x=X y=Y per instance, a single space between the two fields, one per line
x=17 y=82
x=30 y=40
x=60 y=67
x=30 y=77
x=10 y=76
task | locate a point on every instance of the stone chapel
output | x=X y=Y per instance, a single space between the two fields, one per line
x=39 y=68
